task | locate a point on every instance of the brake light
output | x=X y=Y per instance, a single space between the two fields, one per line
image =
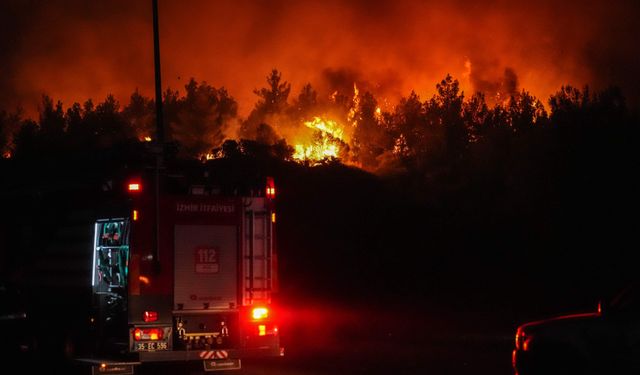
x=148 y=334
x=260 y=313
x=150 y=316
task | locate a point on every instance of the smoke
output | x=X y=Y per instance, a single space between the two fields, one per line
x=492 y=79
x=73 y=49
x=340 y=80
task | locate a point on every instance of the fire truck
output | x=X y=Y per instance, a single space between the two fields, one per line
x=185 y=276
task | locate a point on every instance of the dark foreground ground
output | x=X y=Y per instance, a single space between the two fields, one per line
x=381 y=276
x=323 y=337
x=392 y=342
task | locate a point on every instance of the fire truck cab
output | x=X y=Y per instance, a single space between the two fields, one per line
x=184 y=278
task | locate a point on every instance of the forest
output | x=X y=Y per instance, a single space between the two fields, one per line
x=534 y=195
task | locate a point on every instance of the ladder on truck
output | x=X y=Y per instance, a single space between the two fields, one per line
x=258 y=277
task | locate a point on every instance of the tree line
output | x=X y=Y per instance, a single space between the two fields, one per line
x=500 y=188
x=416 y=136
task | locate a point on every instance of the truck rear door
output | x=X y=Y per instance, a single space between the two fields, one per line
x=205 y=262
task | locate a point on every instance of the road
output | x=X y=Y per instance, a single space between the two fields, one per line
x=360 y=341
x=343 y=339
x=390 y=358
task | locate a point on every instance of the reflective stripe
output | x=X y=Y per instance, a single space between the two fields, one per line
x=218 y=354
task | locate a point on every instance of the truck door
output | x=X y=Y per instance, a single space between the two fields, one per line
x=206 y=267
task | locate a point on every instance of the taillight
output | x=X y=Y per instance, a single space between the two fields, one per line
x=148 y=334
x=150 y=316
x=260 y=313
x=134 y=186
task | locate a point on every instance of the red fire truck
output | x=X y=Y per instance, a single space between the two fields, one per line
x=184 y=278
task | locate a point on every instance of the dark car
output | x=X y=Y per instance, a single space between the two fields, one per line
x=605 y=341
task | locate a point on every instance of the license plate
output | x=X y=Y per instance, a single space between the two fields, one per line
x=151 y=346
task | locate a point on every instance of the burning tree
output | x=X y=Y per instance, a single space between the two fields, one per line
x=326 y=142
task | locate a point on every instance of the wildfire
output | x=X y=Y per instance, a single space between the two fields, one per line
x=378 y=114
x=351 y=117
x=327 y=141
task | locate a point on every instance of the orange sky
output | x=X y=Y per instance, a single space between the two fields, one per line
x=74 y=50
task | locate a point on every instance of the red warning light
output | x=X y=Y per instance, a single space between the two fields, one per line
x=150 y=316
x=271 y=188
x=134 y=187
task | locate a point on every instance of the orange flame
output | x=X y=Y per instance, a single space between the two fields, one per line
x=327 y=141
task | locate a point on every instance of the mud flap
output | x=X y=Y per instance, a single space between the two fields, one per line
x=221 y=364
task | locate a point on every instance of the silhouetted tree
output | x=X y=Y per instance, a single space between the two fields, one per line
x=610 y=108
x=140 y=115
x=266 y=135
x=82 y=126
x=408 y=127
x=171 y=106
x=281 y=150
x=306 y=104
x=369 y=137
x=26 y=140
x=273 y=100
x=9 y=124
x=51 y=126
x=230 y=148
x=52 y=123
x=111 y=127
x=525 y=111
x=5 y=135
x=569 y=106
x=476 y=116
x=446 y=105
x=202 y=118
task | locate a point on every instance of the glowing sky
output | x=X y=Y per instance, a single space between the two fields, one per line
x=75 y=49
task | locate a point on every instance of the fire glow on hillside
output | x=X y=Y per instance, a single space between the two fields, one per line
x=327 y=140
